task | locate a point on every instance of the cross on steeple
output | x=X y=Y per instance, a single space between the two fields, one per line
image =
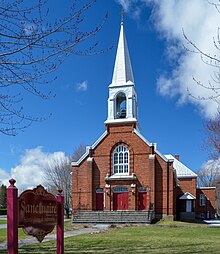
x=122 y=16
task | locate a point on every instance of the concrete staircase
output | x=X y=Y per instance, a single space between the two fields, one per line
x=113 y=217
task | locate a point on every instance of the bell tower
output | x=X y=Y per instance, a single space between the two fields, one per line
x=122 y=101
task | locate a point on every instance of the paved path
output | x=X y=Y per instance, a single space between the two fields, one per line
x=5 y=225
x=213 y=223
x=90 y=230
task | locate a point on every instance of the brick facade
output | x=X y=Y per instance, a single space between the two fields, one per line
x=207 y=209
x=148 y=170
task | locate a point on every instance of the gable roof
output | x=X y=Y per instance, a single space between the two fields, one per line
x=77 y=163
x=182 y=171
x=187 y=196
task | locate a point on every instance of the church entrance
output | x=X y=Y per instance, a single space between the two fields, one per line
x=143 y=197
x=99 y=199
x=120 y=198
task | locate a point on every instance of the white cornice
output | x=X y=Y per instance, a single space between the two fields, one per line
x=121 y=120
x=206 y=188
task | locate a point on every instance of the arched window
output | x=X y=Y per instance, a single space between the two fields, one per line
x=121 y=111
x=121 y=160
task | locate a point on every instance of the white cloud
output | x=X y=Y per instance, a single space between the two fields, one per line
x=125 y=4
x=200 y=21
x=133 y=7
x=83 y=86
x=3 y=176
x=30 y=171
x=212 y=166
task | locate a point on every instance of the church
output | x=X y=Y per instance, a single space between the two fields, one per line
x=122 y=177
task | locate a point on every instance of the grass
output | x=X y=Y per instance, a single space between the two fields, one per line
x=3 y=234
x=21 y=235
x=142 y=239
x=3 y=221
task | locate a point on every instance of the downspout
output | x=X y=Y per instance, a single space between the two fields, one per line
x=168 y=181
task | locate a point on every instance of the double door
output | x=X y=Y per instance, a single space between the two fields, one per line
x=120 y=199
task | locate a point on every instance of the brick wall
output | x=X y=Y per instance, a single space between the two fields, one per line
x=207 y=210
x=187 y=185
x=155 y=174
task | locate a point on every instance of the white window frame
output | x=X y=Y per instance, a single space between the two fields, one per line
x=120 y=160
x=202 y=199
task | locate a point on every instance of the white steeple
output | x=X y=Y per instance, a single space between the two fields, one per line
x=122 y=70
x=122 y=101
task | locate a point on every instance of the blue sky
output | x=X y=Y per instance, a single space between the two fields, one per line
x=162 y=71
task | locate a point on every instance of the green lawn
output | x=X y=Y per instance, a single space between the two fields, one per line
x=3 y=234
x=3 y=221
x=143 y=239
x=3 y=231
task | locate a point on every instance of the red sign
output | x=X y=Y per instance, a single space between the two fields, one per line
x=37 y=212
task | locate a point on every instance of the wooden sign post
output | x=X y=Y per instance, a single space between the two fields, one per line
x=60 y=224
x=37 y=212
x=12 y=217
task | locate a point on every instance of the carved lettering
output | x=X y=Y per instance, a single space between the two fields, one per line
x=39 y=209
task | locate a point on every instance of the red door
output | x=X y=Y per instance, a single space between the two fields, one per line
x=120 y=201
x=99 y=199
x=143 y=201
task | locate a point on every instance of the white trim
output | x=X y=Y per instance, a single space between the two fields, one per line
x=121 y=120
x=128 y=83
x=182 y=170
x=76 y=163
x=121 y=177
x=162 y=156
x=206 y=188
x=90 y=159
x=99 y=139
x=104 y=200
x=187 y=196
x=151 y=144
x=151 y=156
x=142 y=137
x=124 y=163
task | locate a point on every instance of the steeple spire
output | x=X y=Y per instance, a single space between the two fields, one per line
x=122 y=101
x=122 y=69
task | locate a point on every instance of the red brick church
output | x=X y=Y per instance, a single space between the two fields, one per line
x=122 y=177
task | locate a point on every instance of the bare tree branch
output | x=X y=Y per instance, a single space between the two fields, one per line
x=32 y=47
x=211 y=60
x=209 y=176
x=58 y=175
